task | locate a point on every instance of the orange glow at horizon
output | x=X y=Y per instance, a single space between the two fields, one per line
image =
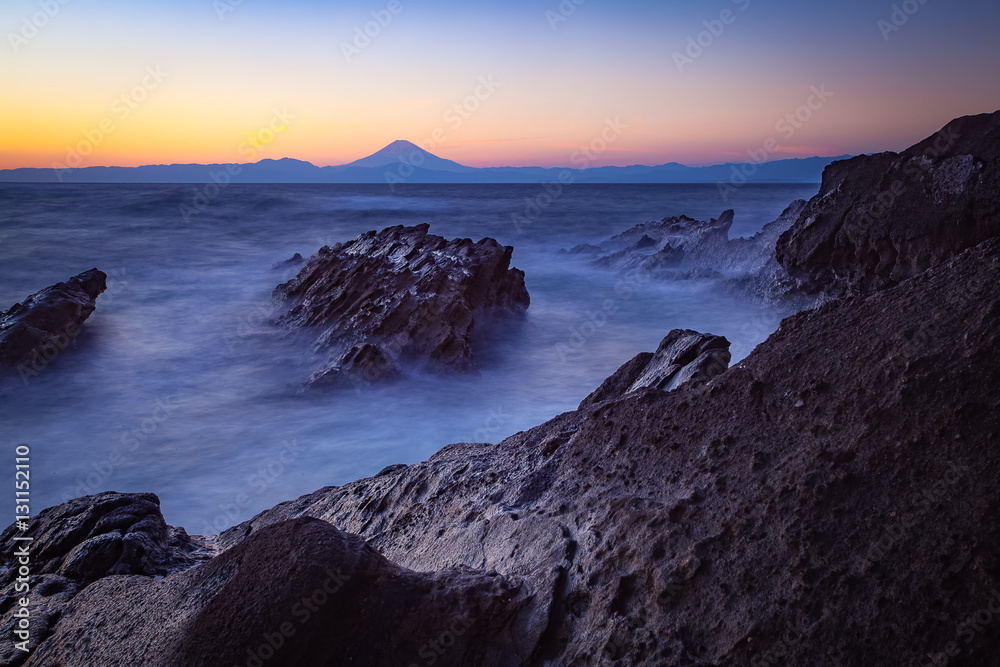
x=115 y=87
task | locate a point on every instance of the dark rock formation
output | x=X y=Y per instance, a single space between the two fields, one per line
x=298 y=593
x=400 y=296
x=84 y=540
x=295 y=260
x=838 y=483
x=883 y=218
x=832 y=499
x=683 y=356
x=48 y=321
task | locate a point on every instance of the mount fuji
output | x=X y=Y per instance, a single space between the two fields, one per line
x=405 y=162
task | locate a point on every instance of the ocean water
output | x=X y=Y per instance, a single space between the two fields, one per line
x=179 y=385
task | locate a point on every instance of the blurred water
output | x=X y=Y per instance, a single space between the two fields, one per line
x=178 y=385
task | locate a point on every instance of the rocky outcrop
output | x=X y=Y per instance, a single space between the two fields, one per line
x=295 y=260
x=298 y=593
x=683 y=356
x=883 y=218
x=79 y=542
x=400 y=297
x=46 y=322
x=842 y=476
x=832 y=499
x=685 y=248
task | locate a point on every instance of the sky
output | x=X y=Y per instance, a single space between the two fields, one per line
x=485 y=82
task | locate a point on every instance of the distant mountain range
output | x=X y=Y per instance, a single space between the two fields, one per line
x=404 y=162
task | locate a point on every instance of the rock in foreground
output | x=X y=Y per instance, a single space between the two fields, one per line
x=399 y=297
x=683 y=356
x=299 y=593
x=830 y=500
x=45 y=323
x=83 y=540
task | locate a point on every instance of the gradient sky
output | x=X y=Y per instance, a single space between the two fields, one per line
x=231 y=64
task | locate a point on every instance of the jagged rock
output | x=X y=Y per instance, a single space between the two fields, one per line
x=832 y=499
x=46 y=322
x=295 y=260
x=841 y=476
x=297 y=593
x=745 y=520
x=663 y=248
x=883 y=218
x=582 y=249
x=83 y=540
x=400 y=296
x=683 y=355
x=685 y=248
x=361 y=364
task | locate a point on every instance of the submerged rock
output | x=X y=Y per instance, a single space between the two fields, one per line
x=295 y=260
x=685 y=248
x=880 y=219
x=400 y=296
x=40 y=327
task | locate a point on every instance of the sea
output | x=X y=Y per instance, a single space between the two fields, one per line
x=180 y=385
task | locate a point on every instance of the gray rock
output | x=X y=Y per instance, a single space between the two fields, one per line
x=400 y=297
x=295 y=260
x=880 y=219
x=84 y=540
x=682 y=356
x=685 y=248
x=296 y=593
x=47 y=322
